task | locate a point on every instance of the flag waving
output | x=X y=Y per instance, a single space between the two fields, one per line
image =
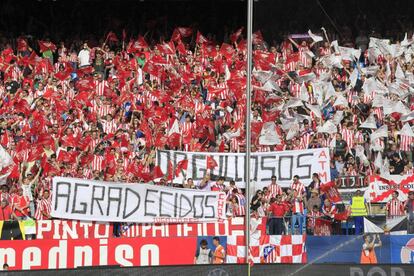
x=211 y=163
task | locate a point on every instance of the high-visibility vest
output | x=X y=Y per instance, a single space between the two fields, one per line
x=358 y=207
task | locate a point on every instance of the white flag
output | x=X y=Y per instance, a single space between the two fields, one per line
x=399 y=74
x=174 y=128
x=315 y=109
x=353 y=77
x=340 y=101
x=293 y=102
x=337 y=118
x=405 y=41
x=407 y=130
x=378 y=161
x=315 y=38
x=5 y=158
x=369 y=122
x=328 y=127
x=359 y=152
x=379 y=133
x=293 y=131
x=268 y=135
x=407 y=117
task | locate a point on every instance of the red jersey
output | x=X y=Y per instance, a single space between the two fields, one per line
x=278 y=210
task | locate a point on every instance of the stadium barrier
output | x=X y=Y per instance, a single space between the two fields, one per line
x=191 y=270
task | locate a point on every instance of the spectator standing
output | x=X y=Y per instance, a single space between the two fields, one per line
x=409 y=208
x=298 y=212
x=395 y=208
x=359 y=209
x=277 y=211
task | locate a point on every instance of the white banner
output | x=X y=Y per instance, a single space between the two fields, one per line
x=116 y=202
x=283 y=164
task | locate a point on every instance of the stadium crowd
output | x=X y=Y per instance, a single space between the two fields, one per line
x=101 y=110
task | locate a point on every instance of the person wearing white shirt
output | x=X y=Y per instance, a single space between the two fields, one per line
x=84 y=55
x=205 y=183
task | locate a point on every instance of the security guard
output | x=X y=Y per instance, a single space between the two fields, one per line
x=359 y=209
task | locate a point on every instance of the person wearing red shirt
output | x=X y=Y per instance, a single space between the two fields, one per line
x=21 y=204
x=277 y=211
x=6 y=212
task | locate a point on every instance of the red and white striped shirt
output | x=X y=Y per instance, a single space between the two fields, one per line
x=395 y=207
x=297 y=206
x=406 y=142
x=109 y=126
x=100 y=87
x=241 y=209
x=348 y=136
x=97 y=163
x=275 y=190
x=299 y=187
x=43 y=206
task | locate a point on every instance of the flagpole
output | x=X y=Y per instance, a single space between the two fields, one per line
x=248 y=111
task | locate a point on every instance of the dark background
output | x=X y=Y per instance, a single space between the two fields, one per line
x=92 y=19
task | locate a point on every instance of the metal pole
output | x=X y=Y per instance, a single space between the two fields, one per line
x=248 y=111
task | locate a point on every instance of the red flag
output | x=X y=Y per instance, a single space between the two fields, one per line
x=227 y=50
x=181 y=48
x=46 y=45
x=235 y=36
x=166 y=48
x=151 y=68
x=185 y=31
x=111 y=36
x=136 y=46
x=35 y=154
x=211 y=163
x=331 y=191
x=200 y=39
x=174 y=140
x=182 y=165
x=221 y=146
x=157 y=172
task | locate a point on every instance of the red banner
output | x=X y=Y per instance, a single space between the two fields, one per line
x=73 y=229
x=51 y=254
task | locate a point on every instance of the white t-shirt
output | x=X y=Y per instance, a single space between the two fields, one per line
x=206 y=187
x=84 y=57
x=27 y=190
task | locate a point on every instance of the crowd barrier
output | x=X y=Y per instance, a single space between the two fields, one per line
x=191 y=270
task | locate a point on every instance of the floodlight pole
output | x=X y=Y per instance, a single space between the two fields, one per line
x=248 y=111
